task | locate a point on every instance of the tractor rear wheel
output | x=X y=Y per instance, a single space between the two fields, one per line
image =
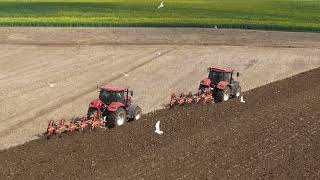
x=222 y=94
x=137 y=113
x=117 y=118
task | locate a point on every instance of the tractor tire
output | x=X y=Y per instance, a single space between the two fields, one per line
x=238 y=92
x=137 y=113
x=117 y=118
x=222 y=94
x=91 y=112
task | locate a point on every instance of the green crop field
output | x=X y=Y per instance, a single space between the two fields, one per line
x=293 y=15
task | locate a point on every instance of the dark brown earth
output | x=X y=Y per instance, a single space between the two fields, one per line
x=275 y=134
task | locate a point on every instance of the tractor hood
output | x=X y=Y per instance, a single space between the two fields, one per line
x=205 y=82
x=114 y=106
x=96 y=103
x=222 y=84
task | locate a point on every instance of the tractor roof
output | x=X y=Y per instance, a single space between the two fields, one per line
x=218 y=69
x=111 y=88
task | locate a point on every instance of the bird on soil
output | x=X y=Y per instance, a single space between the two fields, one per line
x=126 y=74
x=241 y=99
x=51 y=84
x=158 y=131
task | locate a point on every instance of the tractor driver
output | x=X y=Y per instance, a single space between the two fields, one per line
x=120 y=97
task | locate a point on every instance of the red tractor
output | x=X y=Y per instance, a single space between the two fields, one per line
x=115 y=106
x=221 y=83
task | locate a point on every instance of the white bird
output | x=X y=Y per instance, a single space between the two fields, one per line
x=126 y=74
x=241 y=99
x=51 y=84
x=216 y=27
x=161 y=5
x=159 y=53
x=158 y=131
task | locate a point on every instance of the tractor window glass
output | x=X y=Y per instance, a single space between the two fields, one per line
x=120 y=96
x=108 y=97
x=227 y=76
x=215 y=77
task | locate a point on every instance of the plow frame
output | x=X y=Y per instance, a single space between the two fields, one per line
x=201 y=96
x=81 y=124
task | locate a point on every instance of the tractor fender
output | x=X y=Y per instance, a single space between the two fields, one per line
x=131 y=109
x=97 y=103
x=205 y=82
x=222 y=84
x=114 y=106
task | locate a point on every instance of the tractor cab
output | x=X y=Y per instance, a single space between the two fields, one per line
x=110 y=94
x=217 y=75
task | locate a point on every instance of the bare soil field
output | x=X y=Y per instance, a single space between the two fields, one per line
x=273 y=135
x=52 y=73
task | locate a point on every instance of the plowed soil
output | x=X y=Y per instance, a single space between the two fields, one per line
x=52 y=73
x=274 y=134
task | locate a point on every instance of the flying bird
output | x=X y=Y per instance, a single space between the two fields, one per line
x=161 y=5
x=241 y=99
x=158 y=131
x=51 y=84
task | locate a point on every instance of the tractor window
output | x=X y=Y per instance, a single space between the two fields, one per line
x=227 y=76
x=108 y=97
x=120 y=96
x=216 y=77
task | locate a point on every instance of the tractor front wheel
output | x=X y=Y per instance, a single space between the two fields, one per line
x=222 y=94
x=117 y=118
x=137 y=113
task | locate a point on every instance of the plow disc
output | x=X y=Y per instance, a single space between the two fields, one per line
x=74 y=125
x=182 y=99
x=51 y=128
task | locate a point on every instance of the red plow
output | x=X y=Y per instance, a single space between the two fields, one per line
x=79 y=124
x=182 y=99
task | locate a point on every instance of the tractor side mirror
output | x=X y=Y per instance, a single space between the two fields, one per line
x=131 y=93
x=238 y=74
